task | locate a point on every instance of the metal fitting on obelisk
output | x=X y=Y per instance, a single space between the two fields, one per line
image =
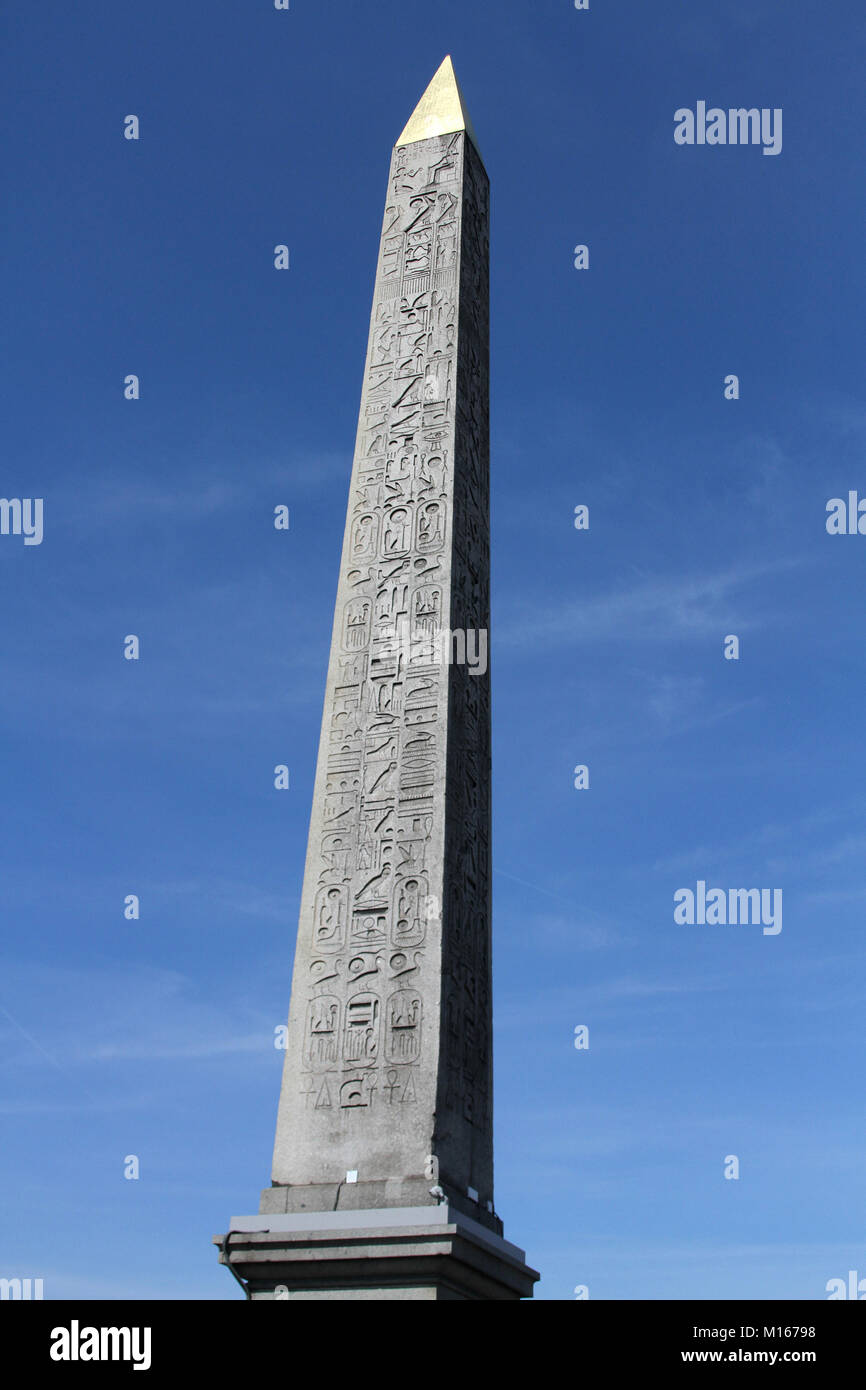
x=382 y=1179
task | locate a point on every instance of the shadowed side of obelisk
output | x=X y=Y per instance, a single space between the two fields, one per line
x=464 y=1108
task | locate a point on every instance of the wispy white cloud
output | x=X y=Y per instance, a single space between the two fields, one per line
x=201 y=490
x=767 y=844
x=652 y=608
x=140 y=1013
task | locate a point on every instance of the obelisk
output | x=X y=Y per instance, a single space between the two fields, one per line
x=382 y=1180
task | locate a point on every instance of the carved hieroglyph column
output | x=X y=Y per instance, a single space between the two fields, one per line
x=386 y=1101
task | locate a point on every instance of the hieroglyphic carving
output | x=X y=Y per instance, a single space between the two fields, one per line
x=397 y=887
x=373 y=890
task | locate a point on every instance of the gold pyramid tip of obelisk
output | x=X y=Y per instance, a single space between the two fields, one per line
x=440 y=111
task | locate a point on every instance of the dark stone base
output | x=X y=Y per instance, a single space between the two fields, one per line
x=400 y=1253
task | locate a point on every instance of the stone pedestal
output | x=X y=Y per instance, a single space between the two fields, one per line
x=399 y=1253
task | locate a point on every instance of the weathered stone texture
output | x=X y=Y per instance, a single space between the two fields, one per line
x=388 y=1063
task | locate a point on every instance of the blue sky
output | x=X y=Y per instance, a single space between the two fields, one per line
x=707 y=517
